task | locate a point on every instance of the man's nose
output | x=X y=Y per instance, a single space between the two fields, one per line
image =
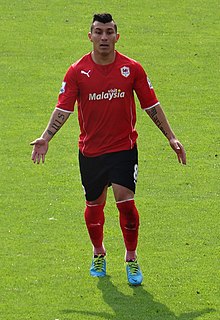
x=104 y=36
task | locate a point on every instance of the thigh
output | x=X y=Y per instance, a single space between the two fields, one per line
x=94 y=177
x=124 y=171
x=122 y=193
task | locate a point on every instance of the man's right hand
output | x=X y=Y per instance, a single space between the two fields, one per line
x=40 y=147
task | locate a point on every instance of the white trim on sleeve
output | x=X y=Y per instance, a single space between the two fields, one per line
x=67 y=111
x=156 y=104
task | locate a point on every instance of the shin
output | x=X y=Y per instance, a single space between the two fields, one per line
x=94 y=217
x=129 y=222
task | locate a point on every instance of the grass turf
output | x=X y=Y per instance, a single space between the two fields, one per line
x=44 y=274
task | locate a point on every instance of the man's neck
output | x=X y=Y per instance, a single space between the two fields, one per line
x=103 y=59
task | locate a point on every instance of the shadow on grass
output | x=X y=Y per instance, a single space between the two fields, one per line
x=140 y=305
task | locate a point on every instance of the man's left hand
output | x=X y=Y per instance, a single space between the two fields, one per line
x=179 y=149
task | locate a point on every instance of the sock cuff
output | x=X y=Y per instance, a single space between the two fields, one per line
x=124 y=201
x=95 y=205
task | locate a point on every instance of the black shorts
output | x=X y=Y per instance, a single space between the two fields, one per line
x=116 y=167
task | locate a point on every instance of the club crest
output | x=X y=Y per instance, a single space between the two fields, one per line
x=125 y=71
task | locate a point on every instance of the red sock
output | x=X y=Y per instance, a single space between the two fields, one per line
x=94 y=217
x=129 y=222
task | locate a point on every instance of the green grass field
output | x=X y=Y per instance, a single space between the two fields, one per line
x=45 y=251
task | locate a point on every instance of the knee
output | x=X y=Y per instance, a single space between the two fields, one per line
x=94 y=214
x=128 y=215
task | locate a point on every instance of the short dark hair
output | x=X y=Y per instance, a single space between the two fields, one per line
x=104 y=18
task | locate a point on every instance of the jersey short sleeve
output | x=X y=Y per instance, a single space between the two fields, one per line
x=69 y=91
x=144 y=89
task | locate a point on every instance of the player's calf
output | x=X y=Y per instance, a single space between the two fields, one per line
x=129 y=222
x=94 y=217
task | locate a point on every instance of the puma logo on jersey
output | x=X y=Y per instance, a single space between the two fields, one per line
x=86 y=73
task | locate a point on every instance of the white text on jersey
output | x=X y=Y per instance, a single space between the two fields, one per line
x=109 y=95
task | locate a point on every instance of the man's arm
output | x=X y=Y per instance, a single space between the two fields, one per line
x=40 y=145
x=157 y=115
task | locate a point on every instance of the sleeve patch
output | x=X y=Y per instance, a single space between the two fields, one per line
x=149 y=83
x=62 y=89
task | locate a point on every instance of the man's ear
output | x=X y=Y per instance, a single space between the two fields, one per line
x=117 y=37
x=90 y=36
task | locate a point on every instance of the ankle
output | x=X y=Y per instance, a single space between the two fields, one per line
x=97 y=251
x=130 y=256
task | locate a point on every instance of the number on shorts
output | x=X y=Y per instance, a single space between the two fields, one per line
x=135 y=173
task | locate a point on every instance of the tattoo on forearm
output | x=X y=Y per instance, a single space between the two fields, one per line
x=153 y=112
x=56 y=124
x=50 y=132
x=61 y=116
x=162 y=129
x=153 y=115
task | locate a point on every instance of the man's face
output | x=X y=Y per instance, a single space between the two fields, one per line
x=103 y=36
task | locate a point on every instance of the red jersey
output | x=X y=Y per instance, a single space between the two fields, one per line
x=106 y=105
